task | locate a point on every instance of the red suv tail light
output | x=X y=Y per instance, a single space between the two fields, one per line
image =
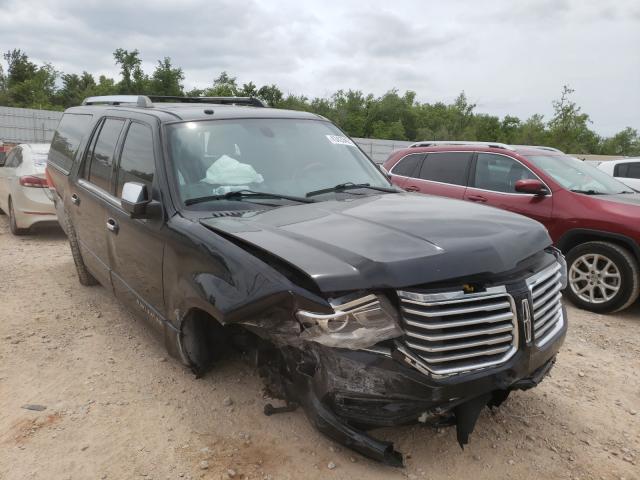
x=32 y=181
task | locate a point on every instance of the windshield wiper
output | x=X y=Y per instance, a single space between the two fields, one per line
x=348 y=186
x=240 y=194
x=587 y=192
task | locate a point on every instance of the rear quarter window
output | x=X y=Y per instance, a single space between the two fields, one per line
x=407 y=166
x=66 y=141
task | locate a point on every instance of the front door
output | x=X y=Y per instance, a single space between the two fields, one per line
x=136 y=245
x=91 y=195
x=493 y=183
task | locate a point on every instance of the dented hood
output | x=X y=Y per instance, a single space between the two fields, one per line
x=388 y=241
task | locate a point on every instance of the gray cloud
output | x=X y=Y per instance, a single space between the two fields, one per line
x=510 y=57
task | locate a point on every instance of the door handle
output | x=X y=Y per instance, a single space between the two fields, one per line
x=412 y=188
x=112 y=225
x=75 y=199
x=477 y=198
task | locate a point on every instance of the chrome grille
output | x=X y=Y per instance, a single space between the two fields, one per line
x=545 y=291
x=455 y=332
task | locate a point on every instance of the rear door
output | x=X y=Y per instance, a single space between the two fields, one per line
x=136 y=245
x=91 y=194
x=492 y=182
x=442 y=173
x=407 y=167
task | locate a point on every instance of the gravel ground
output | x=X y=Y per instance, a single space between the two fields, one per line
x=118 y=408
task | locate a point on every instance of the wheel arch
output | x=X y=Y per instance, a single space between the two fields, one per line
x=198 y=333
x=577 y=236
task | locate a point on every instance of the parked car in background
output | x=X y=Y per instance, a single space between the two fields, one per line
x=592 y=217
x=627 y=171
x=24 y=193
x=227 y=224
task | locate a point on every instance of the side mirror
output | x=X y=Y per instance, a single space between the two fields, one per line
x=532 y=186
x=135 y=199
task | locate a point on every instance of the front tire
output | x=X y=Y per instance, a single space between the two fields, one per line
x=13 y=224
x=603 y=277
x=84 y=276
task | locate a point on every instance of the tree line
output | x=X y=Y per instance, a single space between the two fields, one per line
x=390 y=116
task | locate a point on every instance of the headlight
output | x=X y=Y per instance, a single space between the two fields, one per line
x=355 y=324
x=563 y=266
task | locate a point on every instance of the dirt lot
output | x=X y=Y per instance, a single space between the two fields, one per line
x=118 y=408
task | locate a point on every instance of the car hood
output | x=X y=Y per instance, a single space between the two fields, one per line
x=388 y=241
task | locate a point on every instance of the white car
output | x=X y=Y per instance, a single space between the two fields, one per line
x=627 y=171
x=24 y=192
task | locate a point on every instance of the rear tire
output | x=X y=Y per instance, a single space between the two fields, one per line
x=603 y=277
x=84 y=276
x=13 y=225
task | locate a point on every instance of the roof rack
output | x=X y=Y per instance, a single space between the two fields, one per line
x=541 y=147
x=433 y=143
x=146 y=101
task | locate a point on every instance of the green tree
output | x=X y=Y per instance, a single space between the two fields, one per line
x=568 y=129
x=625 y=142
x=134 y=81
x=166 y=80
x=20 y=68
x=271 y=94
x=223 y=86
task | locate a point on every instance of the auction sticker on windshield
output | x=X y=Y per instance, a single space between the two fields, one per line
x=340 y=140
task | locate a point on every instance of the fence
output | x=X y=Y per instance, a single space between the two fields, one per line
x=26 y=125
x=379 y=150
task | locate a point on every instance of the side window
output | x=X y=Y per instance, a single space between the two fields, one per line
x=499 y=173
x=15 y=158
x=137 y=161
x=620 y=170
x=408 y=166
x=66 y=140
x=100 y=157
x=447 y=167
x=631 y=170
x=10 y=156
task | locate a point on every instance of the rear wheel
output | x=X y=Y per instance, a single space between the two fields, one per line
x=84 y=276
x=13 y=225
x=602 y=277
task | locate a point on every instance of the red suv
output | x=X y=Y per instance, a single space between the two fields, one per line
x=593 y=218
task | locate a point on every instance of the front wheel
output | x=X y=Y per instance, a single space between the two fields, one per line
x=602 y=277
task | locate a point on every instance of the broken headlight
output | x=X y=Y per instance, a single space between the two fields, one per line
x=355 y=324
x=563 y=266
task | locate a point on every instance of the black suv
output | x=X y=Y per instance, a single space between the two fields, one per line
x=227 y=224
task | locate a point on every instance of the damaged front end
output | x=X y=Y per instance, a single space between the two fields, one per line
x=415 y=356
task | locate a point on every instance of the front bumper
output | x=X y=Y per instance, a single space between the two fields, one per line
x=345 y=392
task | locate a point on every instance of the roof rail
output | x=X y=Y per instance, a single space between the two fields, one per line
x=434 y=143
x=249 y=101
x=541 y=147
x=146 y=101
x=138 y=100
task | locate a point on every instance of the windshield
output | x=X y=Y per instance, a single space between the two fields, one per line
x=277 y=156
x=576 y=175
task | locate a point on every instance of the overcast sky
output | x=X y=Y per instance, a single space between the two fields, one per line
x=510 y=57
